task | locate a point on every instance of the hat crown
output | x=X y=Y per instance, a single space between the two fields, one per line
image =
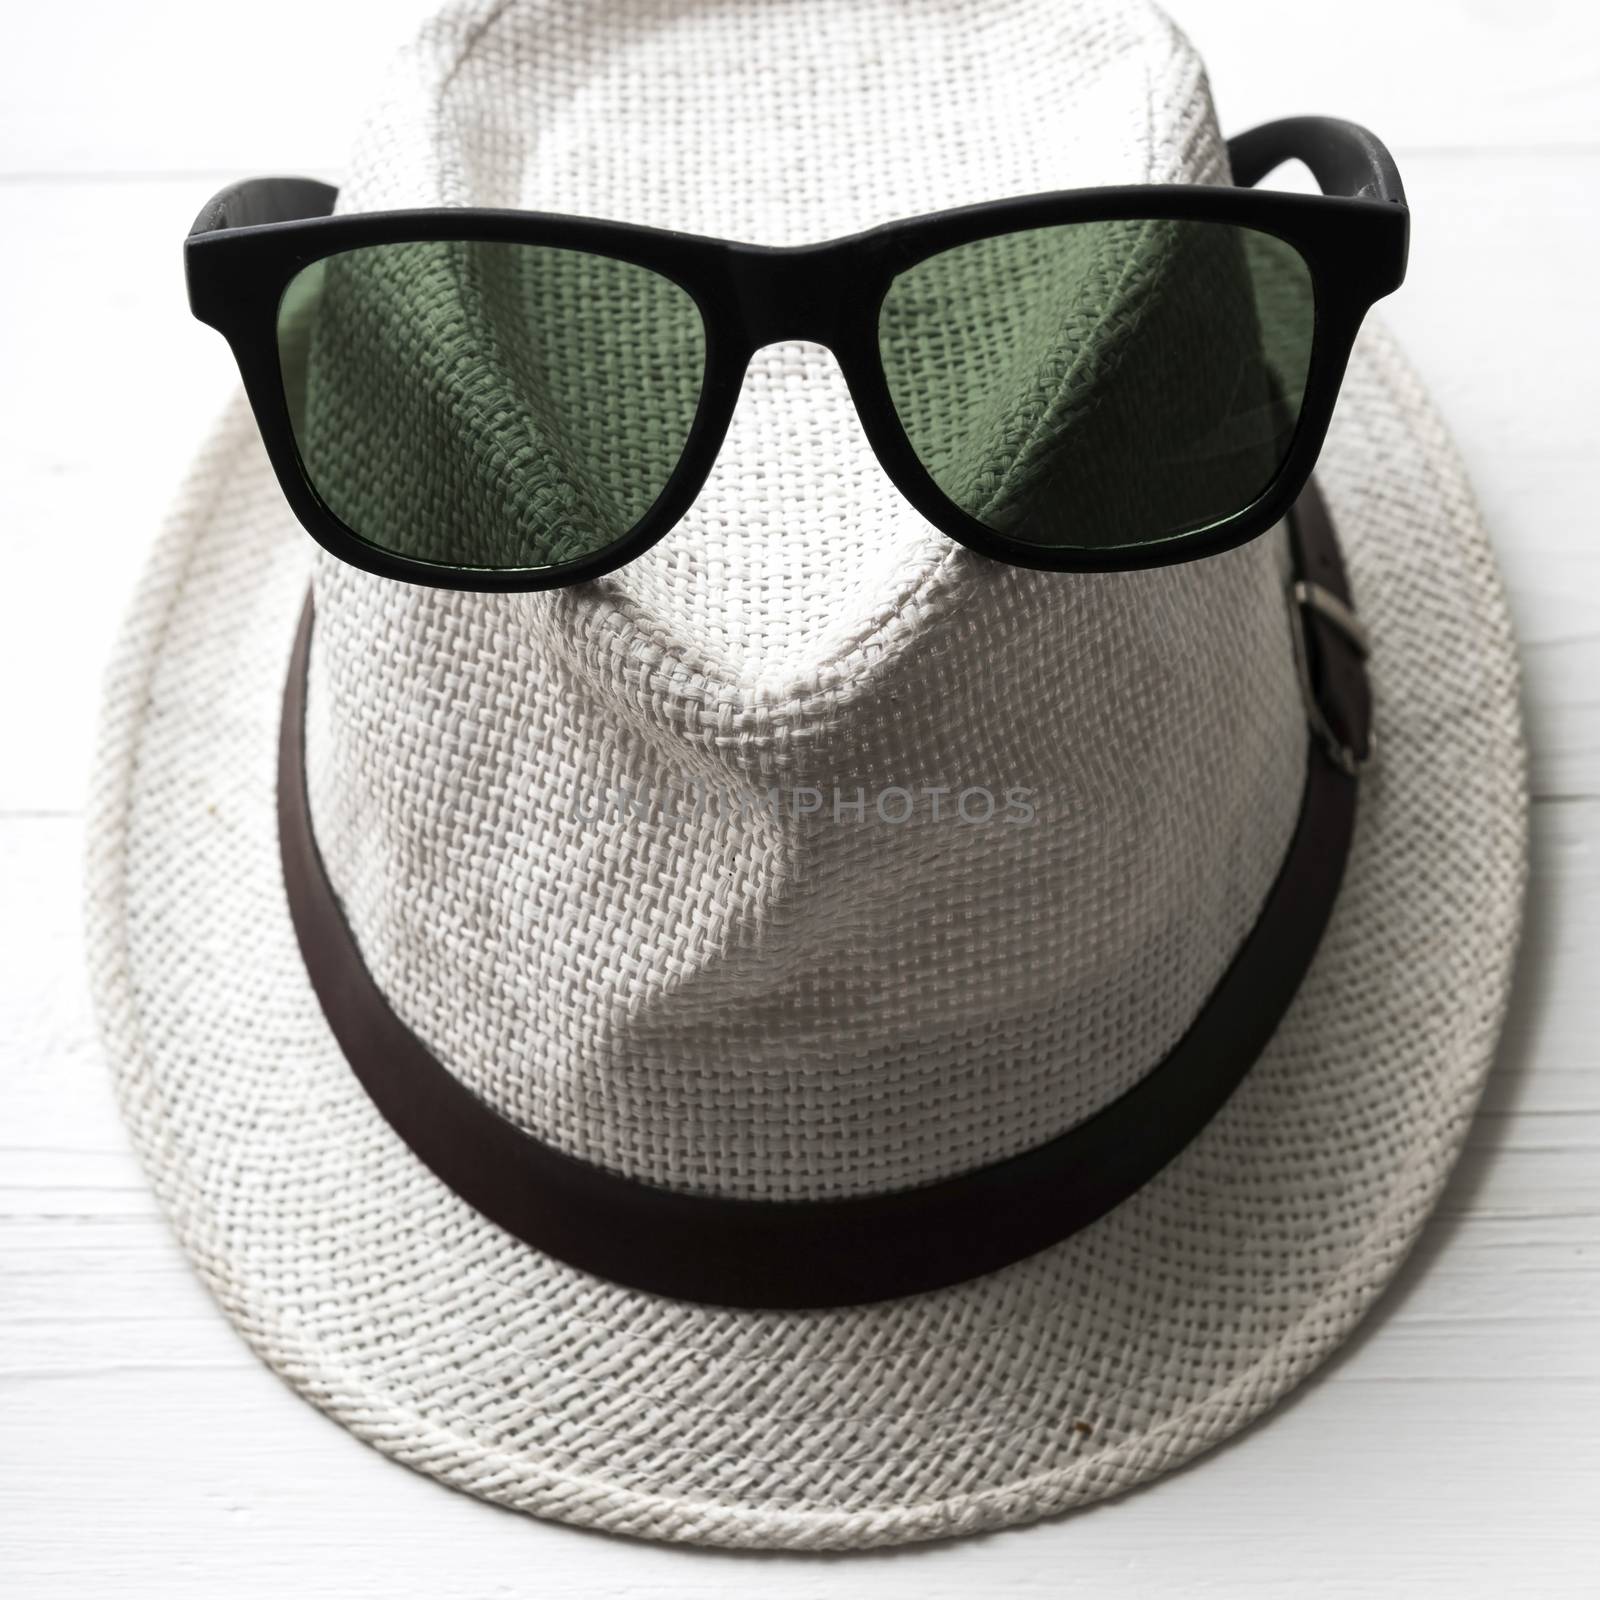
x=809 y=854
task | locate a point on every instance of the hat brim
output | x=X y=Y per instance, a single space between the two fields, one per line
x=1073 y=1375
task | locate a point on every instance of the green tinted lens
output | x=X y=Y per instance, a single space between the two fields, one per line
x=488 y=405
x=1102 y=384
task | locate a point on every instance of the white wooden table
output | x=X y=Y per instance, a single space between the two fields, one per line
x=1452 y=1450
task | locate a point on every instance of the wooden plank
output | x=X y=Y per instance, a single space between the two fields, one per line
x=176 y=86
x=143 y=1448
x=102 y=484
x=1453 y=75
x=122 y=1387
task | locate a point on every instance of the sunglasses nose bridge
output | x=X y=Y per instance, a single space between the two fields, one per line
x=794 y=292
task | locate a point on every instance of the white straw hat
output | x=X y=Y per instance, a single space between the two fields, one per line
x=776 y=1002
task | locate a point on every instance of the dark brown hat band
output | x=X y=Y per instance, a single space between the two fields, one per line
x=838 y=1252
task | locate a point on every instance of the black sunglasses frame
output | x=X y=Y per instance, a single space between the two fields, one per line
x=252 y=239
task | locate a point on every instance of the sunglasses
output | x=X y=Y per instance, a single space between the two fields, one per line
x=1097 y=379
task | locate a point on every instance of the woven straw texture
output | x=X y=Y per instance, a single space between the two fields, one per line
x=799 y=1006
x=753 y=1003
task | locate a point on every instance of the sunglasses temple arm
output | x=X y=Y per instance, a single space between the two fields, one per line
x=257 y=201
x=1344 y=157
